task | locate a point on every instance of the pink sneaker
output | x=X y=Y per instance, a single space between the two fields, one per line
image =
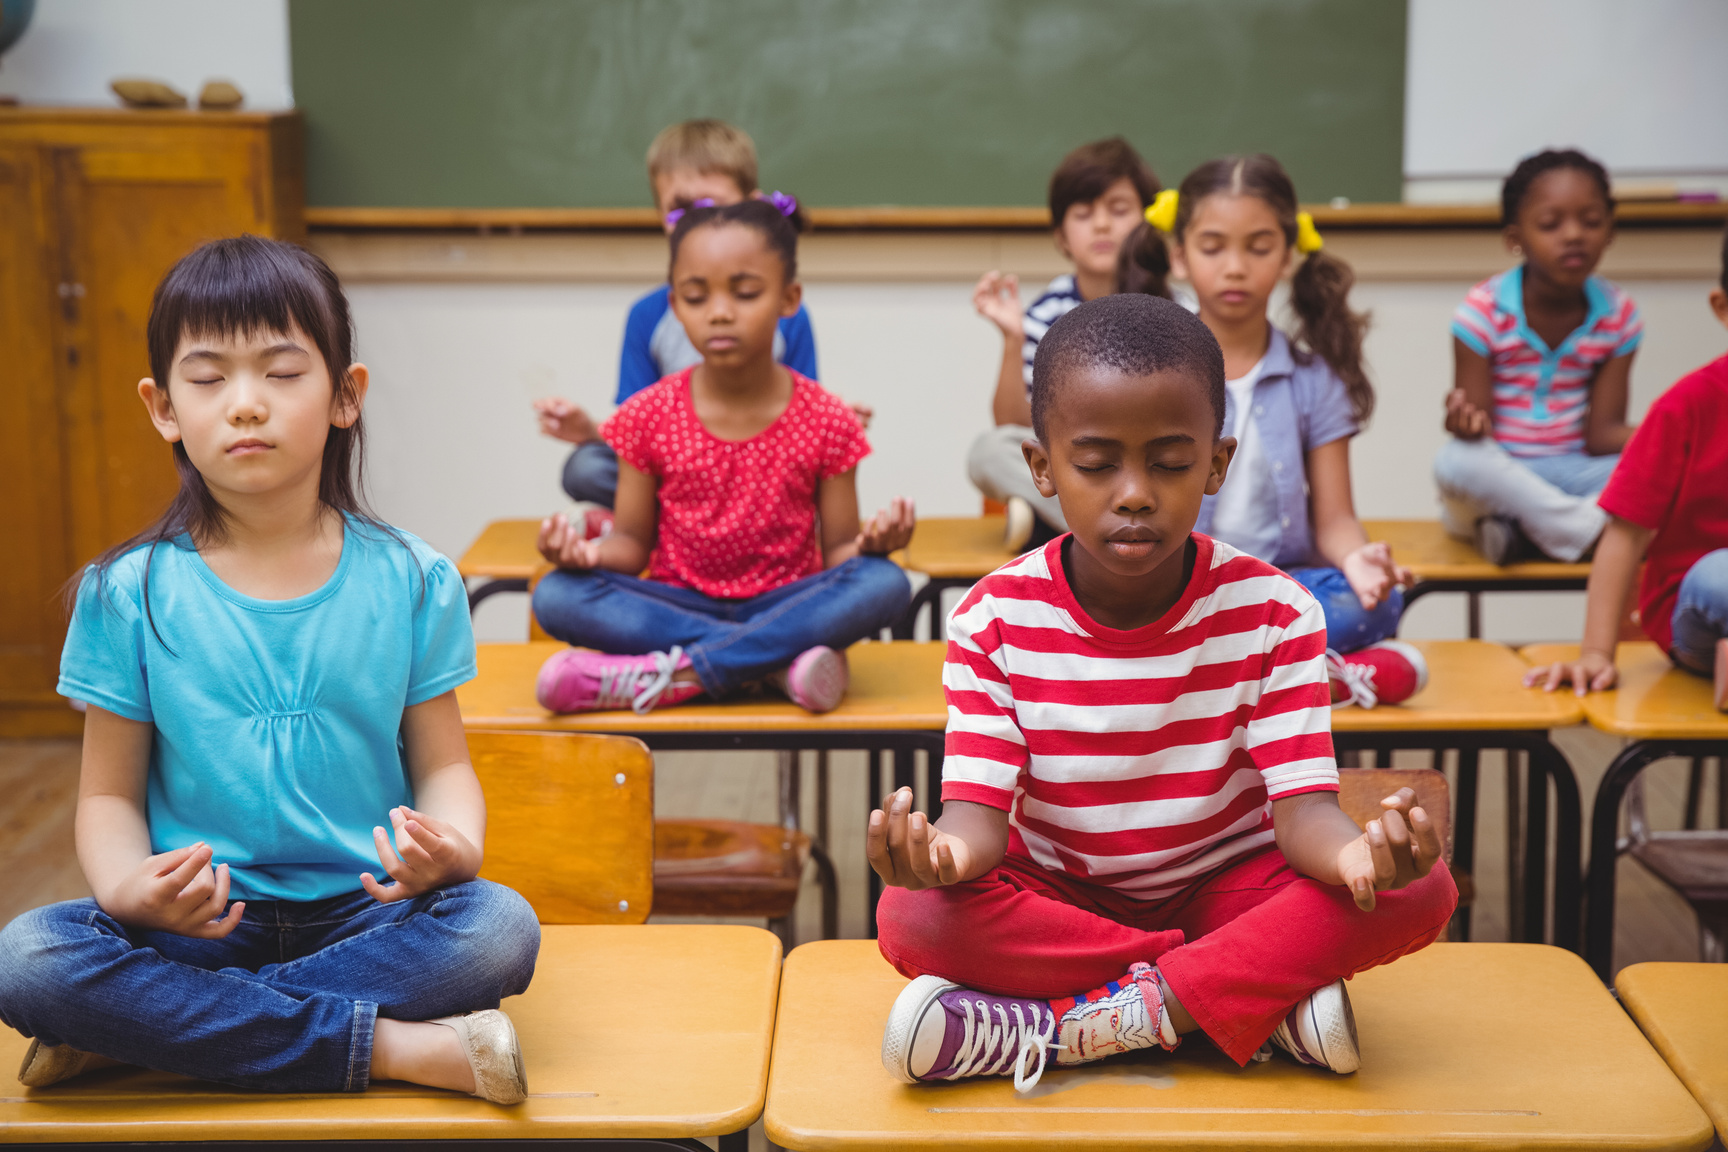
x=1389 y=672
x=817 y=679
x=582 y=680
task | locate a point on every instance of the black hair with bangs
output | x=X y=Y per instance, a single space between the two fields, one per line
x=245 y=285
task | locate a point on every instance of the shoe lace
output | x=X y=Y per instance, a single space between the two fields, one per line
x=637 y=685
x=1358 y=680
x=986 y=1048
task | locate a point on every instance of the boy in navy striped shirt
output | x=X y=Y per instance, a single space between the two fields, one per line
x=1140 y=795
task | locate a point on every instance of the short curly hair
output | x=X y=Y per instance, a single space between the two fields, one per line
x=1517 y=186
x=1134 y=334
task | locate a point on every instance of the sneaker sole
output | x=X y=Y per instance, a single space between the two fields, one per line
x=821 y=684
x=910 y=1008
x=1017 y=531
x=1413 y=654
x=1333 y=1024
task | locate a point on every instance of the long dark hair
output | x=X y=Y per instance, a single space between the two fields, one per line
x=1319 y=290
x=242 y=286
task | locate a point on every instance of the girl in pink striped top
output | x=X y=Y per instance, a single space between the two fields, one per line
x=1544 y=359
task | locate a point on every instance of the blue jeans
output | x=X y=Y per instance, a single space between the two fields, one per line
x=591 y=473
x=1701 y=613
x=730 y=642
x=284 y=1003
x=1349 y=626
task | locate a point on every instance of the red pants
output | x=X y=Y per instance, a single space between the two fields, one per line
x=1239 y=948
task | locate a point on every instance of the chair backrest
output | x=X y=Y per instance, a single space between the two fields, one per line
x=570 y=822
x=1360 y=791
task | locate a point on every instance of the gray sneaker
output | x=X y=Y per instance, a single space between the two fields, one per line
x=1499 y=539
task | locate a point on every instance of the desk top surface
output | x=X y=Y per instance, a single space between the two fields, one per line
x=895 y=687
x=1472 y=686
x=1683 y=1010
x=1654 y=700
x=957 y=547
x=1464 y=1046
x=504 y=550
x=1433 y=555
x=642 y=1030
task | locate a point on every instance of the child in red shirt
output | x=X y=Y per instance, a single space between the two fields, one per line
x=1668 y=504
x=727 y=470
x=1140 y=834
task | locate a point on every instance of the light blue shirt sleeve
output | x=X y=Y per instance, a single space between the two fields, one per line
x=443 y=654
x=103 y=660
x=800 y=343
x=1323 y=406
x=1468 y=324
x=636 y=366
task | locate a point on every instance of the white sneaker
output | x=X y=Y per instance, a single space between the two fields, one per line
x=1021 y=520
x=1321 y=1030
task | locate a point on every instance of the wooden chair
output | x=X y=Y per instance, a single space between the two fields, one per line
x=733 y=868
x=570 y=822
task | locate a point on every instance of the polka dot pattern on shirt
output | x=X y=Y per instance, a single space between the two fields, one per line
x=737 y=517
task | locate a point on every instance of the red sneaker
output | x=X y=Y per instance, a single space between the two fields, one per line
x=1389 y=672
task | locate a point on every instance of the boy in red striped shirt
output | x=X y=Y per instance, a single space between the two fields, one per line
x=1140 y=796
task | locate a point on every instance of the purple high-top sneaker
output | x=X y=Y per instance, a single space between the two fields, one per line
x=941 y=1031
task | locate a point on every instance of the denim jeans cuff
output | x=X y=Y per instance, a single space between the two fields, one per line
x=360 y=1046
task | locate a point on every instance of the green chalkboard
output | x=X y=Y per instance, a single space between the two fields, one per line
x=552 y=103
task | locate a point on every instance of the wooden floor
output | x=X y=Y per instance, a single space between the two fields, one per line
x=39 y=781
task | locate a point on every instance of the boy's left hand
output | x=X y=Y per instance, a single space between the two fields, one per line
x=1372 y=573
x=1400 y=847
x=889 y=530
x=430 y=853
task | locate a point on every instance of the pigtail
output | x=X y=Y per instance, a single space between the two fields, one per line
x=1143 y=264
x=1320 y=297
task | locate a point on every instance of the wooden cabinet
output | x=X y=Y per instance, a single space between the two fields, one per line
x=95 y=206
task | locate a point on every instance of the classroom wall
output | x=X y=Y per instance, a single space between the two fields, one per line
x=73 y=48
x=1641 y=86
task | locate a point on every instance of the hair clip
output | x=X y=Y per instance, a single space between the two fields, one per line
x=1161 y=213
x=785 y=201
x=677 y=214
x=1307 y=236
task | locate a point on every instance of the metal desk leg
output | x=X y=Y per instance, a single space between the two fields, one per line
x=1568 y=835
x=1464 y=829
x=1535 y=850
x=1604 y=832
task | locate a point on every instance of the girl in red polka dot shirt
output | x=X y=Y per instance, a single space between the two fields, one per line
x=737 y=490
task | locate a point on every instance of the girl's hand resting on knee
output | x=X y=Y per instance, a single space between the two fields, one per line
x=907 y=851
x=889 y=530
x=1399 y=848
x=561 y=543
x=1373 y=574
x=430 y=853
x=177 y=891
x=1464 y=419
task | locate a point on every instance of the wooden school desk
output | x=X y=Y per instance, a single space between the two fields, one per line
x=1464 y=1046
x=954 y=552
x=1683 y=1010
x=504 y=555
x=1443 y=564
x=894 y=704
x=1663 y=712
x=650 y=1033
x=1475 y=699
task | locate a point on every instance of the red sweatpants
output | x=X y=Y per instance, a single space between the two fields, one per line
x=1239 y=948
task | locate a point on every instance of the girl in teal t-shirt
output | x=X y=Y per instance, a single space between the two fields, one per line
x=269 y=676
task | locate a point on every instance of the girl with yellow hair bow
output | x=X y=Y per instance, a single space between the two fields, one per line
x=1232 y=230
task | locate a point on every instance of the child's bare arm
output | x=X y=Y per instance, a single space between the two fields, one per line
x=997 y=299
x=1470 y=406
x=907 y=851
x=442 y=839
x=1612 y=572
x=843 y=537
x=1339 y=536
x=627 y=547
x=174 y=891
x=1321 y=842
x=1605 y=428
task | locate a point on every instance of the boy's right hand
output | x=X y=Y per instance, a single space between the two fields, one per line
x=177 y=891
x=562 y=544
x=1591 y=672
x=997 y=299
x=563 y=420
x=1463 y=419
x=908 y=852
